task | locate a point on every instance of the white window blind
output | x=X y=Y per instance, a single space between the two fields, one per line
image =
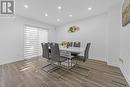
x=33 y=37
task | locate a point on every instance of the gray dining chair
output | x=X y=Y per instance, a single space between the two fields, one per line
x=45 y=53
x=69 y=44
x=77 y=44
x=83 y=59
x=55 y=54
x=86 y=54
x=45 y=50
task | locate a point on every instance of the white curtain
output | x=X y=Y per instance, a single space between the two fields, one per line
x=33 y=37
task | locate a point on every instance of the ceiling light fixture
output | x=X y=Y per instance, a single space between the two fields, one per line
x=59 y=7
x=89 y=9
x=46 y=14
x=26 y=6
x=58 y=20
x=70 y=15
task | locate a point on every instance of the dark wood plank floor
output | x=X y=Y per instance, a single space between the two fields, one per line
x=28 y=73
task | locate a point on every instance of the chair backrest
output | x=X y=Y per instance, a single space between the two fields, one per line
x=45 y=50
x=86 y=53
x=69 y=44
x=55 y=52
x=50 y=43
x=76 y=44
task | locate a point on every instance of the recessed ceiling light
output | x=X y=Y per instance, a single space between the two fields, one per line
x=59 y=7
x=58 y=20
x=26 y=6
x=89 y=9
x=70 y=15
x=46 y=14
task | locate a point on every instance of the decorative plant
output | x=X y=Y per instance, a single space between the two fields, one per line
x=73 y=29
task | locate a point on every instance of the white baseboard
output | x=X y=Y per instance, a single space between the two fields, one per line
x=125 y=73
x=11 y=60
x=123 y=69
x=98 y=58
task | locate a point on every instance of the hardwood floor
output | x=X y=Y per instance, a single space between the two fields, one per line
x=28 y=73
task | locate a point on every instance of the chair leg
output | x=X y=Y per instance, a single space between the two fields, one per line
x=68 y=63
x=76 y=63
x=71 y=63
x=55 y=68
x=46 y=65
x=51 y=64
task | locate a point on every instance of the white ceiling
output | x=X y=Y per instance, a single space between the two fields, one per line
x=78 y=8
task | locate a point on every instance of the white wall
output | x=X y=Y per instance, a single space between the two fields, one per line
x=125 y=50
x=92 y=30
x=119 y=41
x=114 y=25
x=11 y=37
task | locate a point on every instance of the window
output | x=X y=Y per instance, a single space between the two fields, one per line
x=33 y=37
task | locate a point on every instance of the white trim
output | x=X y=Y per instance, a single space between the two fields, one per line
x=98 y=58
x=125 y=73
x=12 y=60
x=111 y=64
x=123 y=70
